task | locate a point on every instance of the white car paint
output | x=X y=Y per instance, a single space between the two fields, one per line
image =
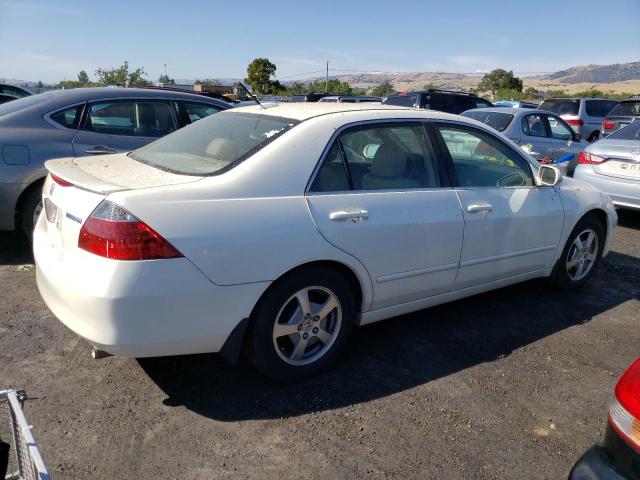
x=244 y=229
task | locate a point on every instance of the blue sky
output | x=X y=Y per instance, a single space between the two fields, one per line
x=51 y=40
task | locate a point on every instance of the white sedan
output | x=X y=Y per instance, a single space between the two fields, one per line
x=275 y=230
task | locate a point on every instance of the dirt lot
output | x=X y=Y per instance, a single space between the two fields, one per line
x=510 y=384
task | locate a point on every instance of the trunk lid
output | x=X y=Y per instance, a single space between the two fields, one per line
x=622 y=158
x=91 y=179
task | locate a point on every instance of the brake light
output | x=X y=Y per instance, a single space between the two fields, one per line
x=112 y=232
x=607 y=125
x=624 y=412
x=575 y=123
x=60 y=181
x=587 y=158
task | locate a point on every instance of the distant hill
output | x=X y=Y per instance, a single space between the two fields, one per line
x=618 y=72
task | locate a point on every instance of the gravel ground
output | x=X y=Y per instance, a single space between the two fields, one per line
x=510 y=384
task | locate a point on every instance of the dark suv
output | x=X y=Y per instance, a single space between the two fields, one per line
x=623 y=114
x=442 y=100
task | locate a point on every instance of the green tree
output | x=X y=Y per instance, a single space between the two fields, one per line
x=209 y=82
x=555 y=93
x=259 y=73
x=83 y=78
x=332 y=86
x=383 y=89
x=165 y=80
x=121 y=76
x=500 y=79
x=531 y=93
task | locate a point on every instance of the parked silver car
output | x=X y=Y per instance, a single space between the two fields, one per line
x=613 y=166
x=81 y=122
x=623 y=114
x=584 y=115
x=544 y=135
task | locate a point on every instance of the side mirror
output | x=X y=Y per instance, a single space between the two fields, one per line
x=549 y=175
x=577 y=137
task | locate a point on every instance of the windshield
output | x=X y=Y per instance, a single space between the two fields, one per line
x=630 y=132
x=625 y=109
x=401 y=100
x=562 y=106
x=214 y=144
x=499 y=121
x=15 y=105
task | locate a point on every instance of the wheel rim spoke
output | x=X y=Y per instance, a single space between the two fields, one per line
x=572 y=263
x=579 y=270
x=300 y=348
x=285 y=329
x=329 y=306
x=578 y=244
x=324 y=336
x=303 y=300
x=590 y=238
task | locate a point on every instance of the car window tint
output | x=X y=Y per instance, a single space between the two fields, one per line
x=498 y=120
x=69 y=117
x=480 y=103
x=332 y=176
x=15 y=92
x=402 y=100
x=390 y=157
x=630 y=132
x=559 y=130
x=533 y=125
x=593 y=108
x=131 y=118
x=626 y=109
x=561 y=106
x=198 y=111
x=480 y=160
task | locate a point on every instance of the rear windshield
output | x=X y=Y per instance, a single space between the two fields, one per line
x=15 y=105
x=401 y=100
x=499 y=121
x=623 y=109
x=630 y=132
x=562 y=106
x=214 y=144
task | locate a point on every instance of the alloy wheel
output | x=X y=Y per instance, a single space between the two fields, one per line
x=582 y=255
x=307 y=325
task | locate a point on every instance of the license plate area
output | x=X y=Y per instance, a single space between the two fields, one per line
x=620 y=168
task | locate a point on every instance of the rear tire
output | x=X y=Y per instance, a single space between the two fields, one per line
x=29 y=212
x=302 y=324
x=594 y=136
x=581 y=255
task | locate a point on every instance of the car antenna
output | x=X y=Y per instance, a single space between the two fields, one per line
x=251 y=95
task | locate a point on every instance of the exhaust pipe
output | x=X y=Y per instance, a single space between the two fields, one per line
x=97 y=354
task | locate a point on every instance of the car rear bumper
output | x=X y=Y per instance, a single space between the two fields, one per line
x=623 y=193
x=139 y=308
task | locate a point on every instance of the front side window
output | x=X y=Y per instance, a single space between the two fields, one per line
x=198 y=111
x=559 y=129
x=480 y=160
x=69 y=117
x=131 y=118
x=214 y=144
x=534 y=125
x=380 y=157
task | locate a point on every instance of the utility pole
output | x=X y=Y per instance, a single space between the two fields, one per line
x=326 y=83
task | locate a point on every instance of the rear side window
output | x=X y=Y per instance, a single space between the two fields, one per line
x=626 y=109
x=402 y=100
x=380 y=157
x=561 y=106
x=131 y=118
x=599 y=108
x=499 y=121
x=69 y=117
x=198 y=111
x=534 y=125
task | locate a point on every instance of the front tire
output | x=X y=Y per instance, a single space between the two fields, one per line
x=581 y=255
x=302 y=324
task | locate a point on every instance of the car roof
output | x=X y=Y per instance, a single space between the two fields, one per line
x=305 y=111
x=512 y=110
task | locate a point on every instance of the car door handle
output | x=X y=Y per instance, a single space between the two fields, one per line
x=353 y=215
x=479 y=207
x=100 y=150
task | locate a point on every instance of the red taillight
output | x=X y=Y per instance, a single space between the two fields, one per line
x=607 y=125
x=112 y=232
x=60 y=181
x=586 y=158
x=624 y=412
x=575 y=123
